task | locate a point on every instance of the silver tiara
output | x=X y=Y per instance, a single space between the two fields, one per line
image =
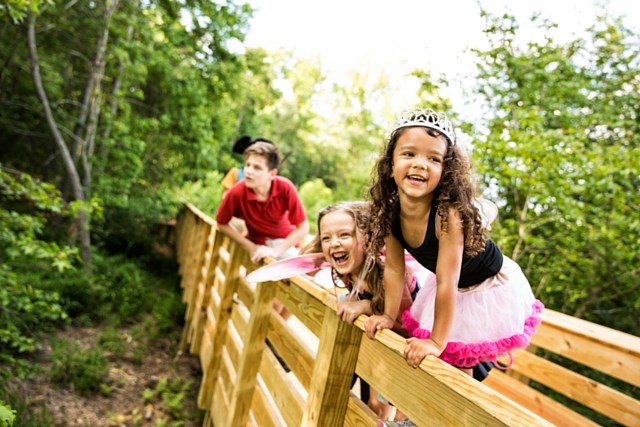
x=428 y=118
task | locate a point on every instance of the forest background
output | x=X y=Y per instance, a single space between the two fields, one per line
x=113 y=113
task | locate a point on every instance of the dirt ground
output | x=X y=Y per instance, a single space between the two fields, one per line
x=126 y=404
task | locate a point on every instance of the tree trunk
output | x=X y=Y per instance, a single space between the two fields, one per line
x=95 y=98
x=103 y=153
x=522 y=230
x=72 y=172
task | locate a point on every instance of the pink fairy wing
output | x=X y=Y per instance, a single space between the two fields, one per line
x=287 y=268
x=488 y=211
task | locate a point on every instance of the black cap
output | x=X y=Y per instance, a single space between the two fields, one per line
x=245 y=141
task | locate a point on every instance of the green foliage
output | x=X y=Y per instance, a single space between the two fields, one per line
x=34 y=301
x=119 y=290
x=171 y=393
x=25 y=206
x=561 y=156
x=7 y=415
x=84 y=369
x=25 y=313
x=315 y=196
x=19 y=9
x=26 y=415
x=204 y=193
x=137 y=217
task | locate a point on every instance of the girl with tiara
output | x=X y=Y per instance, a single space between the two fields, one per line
x=338 y=249
x=480 y=305
x=340 y=239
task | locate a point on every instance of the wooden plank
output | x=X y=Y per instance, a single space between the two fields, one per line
x=535 y=401
x=289 y=345
x=604 y=349
x=202 y=293
x=590 y=393
x=253 y=346
x=219 y=407
x=233 y=344
x=198 y=318
x=359 y=414
x=283 y=393
x=192 y=273
x=205 y=357
x=215 y=302
x=206 y=384
x=184 y=241
x=304 y=306
x=441 y=395
x=326 y=296
x=187 y=252
x=240 y=317
x=205 y=348
x=207 y=422
x=218 y=275
x=227 y=374
x=332 y=373
x=245 y=291
x=218 y=311
x=214 y=261
x=224 y=254
x=263 y=410
x=191 y=279
x=201 y=215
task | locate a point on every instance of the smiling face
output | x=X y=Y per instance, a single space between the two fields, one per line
x=341 y=242
x=417 y=162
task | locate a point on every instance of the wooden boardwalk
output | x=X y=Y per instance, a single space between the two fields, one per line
x=227 y=321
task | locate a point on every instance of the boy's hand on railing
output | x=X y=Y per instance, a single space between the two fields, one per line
x=262 y=252
x=417 y=349
x=376 y=323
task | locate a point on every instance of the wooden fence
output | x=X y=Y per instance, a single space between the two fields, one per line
x=228 y=320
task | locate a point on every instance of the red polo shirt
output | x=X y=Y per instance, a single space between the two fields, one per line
x=274 y=218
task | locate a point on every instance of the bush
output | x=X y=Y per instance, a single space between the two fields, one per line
x=128 y=226
x=84 y=369
x=7 y=415
x=24 y=414
x=25 y=314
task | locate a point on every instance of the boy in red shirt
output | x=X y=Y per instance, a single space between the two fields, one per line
x=269 y=204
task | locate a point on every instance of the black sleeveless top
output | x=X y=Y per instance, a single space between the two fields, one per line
x=474 y=269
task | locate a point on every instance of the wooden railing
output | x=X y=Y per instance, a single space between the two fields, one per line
x=228 y=320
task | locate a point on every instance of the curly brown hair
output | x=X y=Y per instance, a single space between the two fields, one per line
x=372 y=268
x=455 y=190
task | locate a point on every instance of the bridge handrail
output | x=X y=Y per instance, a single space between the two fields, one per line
x=227 y=321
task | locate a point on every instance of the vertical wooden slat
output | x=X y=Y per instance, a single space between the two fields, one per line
x=332 y=372
x=253 y=346
x=192 y=276
x=202 y=293
x=221 y=314
x=185 y=239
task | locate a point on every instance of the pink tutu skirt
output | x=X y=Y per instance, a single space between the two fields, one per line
x=491 y=318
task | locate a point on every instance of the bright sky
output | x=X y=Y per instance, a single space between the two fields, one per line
x=397 y=36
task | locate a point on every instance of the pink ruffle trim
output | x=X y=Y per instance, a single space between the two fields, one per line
x=465 y=355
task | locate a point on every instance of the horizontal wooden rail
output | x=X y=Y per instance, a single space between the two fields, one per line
x=228 y=323
x=598 y=349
